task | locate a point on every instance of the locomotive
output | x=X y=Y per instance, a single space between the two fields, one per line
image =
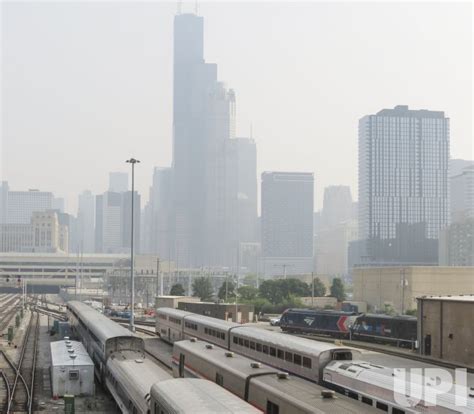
x=400 y=330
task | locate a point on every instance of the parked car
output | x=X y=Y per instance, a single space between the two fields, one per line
x=275 y=321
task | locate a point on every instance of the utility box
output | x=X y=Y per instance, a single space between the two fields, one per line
x=69 y=404
x=63 y=330
x=72 y=370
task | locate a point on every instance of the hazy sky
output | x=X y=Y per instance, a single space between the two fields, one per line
x=86 y=85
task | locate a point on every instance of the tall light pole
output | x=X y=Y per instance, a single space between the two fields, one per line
x=132 y=161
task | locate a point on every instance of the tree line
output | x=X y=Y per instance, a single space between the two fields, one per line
x=271 y=295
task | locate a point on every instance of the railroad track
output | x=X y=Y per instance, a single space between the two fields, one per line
x=7 y=312
x=18 y=379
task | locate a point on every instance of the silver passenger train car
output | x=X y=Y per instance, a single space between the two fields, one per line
x=100 y=335
x=196 y=396
x=129 y=379
x=263 y=386
x=300 y=356
x=374 y=385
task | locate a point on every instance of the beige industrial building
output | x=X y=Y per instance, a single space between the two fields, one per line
x=170 y=301
x=400 y=286
x=445 y=328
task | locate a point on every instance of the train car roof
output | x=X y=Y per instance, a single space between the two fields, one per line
x=383 y=377
x=173 y=312
x=239 y=365
x=102 y=327
x=323 y=311
x=304 y=394
x=383 y=316
x=298 y=344
x=213 y=322
x=136 y=372
x=190 y=395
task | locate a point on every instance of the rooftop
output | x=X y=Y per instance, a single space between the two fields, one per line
x=403 y=111
x=450 y=298
x=62 y=352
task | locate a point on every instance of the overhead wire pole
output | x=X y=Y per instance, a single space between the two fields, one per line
x=132 y=161
x=285 y=266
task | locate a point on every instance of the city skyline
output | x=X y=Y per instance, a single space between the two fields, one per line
x=304 y=150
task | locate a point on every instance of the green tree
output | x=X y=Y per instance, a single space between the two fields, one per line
x=202 y=288
x=338 y=289
x=272 y=291
x=389 y=309
x=230 y=290
x=247 y=292
x=177 y=290
x=411 y=312
x=319 y=288
x=295 y=287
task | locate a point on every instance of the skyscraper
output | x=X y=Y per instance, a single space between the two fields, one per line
x=338 y=229
x=287 y=222
x=20 y=205
x=403 y=185
x=247 y=189
x=203 y=123
x=85 y=222
x=462 y=195
x=113 y=222
x=118 y=182
x=158 y=228
x=337 y=205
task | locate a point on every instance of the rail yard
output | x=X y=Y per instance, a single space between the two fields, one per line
x=245 y=368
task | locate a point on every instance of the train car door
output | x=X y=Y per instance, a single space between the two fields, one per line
x=169 y=334
x=181 y=365
x=427 y=345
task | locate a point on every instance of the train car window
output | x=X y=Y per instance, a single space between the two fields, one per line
x=272 y=408
x=307 y=362
x=236 y=340
x=382 y=406
x=259 y=347
x=219 y=379
x=252 y=345
x=280 y=354
x=397 y=411
x=206 y=330
x=223 y=336
x=297 y=359
x=353 y=395
x=272 y=351
x=246 y=343
x=241 y=341
x=265 y=349
x=367 y=400
x=288 y=357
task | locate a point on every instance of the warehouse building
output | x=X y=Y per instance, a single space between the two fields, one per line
x=239 y=313
x=399 y=286
x=445 y=328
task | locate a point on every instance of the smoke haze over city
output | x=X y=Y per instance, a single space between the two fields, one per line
x=87 y=85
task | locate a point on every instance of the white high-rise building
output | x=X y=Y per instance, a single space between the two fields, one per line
x=20 y=205
x=403 y=185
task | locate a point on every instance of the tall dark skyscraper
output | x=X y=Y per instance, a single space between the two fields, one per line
x=403 y=185
x=205 y=167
